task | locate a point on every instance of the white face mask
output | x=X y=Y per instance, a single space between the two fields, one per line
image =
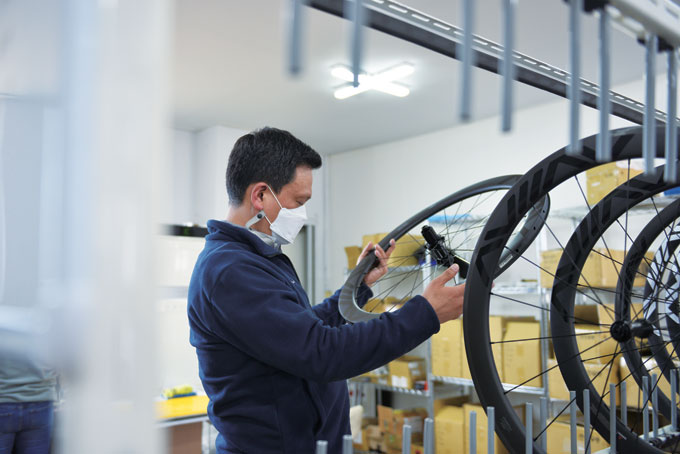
x=288 y=223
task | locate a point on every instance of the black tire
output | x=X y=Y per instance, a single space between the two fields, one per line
x=535 y=184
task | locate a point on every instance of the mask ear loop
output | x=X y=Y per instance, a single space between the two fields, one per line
x=255 y=219
x=260 y=214
x=275 y=198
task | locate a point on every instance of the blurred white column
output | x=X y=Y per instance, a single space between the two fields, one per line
x=116 y=123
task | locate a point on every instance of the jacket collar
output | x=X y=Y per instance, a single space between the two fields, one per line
x=226 y=231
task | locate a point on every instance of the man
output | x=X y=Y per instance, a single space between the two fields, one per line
x=274 y=366
x=28 y=391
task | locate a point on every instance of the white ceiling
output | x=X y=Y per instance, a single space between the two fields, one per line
x=229 y=67
x=230 y=60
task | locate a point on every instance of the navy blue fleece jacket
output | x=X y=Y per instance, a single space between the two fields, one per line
x=274 y=366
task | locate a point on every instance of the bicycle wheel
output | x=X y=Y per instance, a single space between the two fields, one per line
x=572 y=359
x=657 y=317
x=441 y=234
x=553 y=174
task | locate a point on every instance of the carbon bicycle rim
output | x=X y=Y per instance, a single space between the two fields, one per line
x=455 y=223
x=551 y=174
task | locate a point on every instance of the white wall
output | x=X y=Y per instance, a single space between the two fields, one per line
x=211 y=154
x=177 y=180
x=376 y=188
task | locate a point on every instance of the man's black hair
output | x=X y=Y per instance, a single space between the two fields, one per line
x=270 y=155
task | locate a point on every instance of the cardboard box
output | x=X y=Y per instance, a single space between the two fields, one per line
x=405 y=250
x=406 y=371
x=496 y=332
x=185 y=438
x=381 y=375
x=447 y=349
x=558 y=389
x=377 y=445
x=601 y=269
x=391 y=304
x=353 y=253
x=450 y=402
x=602 y=180
x=360 y=441
x=392 y=421
x=559 y=439
x=634 y=397
x=482 y=431
x=595 y=343
x=449 y=429
x=522 y=359
x=373 y=431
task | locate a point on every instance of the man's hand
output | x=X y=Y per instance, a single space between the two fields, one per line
x=447 y=302
x=381 y=268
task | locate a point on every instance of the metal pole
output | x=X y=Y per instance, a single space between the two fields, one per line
x=529 y=429
x=645 y=409
x=544 y=422
x=491 y=430
x=674 y=398
x=473 y=432
x=295 y=36
x=603 y=148
x=357 y=39
x=321 y=447
x=428 y=436
x=624 y=406
x=655 y=405
x=671 y=169
x=406 y=440
x=572 y=421
x=612 y=417
x=586 y=420
x=508 y=64
x=347 y=447
x=649 y=135
x=466 y=79
x=576 y=7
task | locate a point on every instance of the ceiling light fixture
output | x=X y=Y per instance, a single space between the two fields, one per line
x=382 y=81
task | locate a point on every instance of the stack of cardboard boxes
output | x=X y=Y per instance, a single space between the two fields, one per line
x=599 y=352
x=601 y=269
x=406 y=371
x=452 y=428
x=391 y=422
x=370 y=438
x=559 y=439
x=405 y=252
x=518 y=361
x=601 y=180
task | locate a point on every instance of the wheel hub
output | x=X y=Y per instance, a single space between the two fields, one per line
x=625 y=330
x=442 y=254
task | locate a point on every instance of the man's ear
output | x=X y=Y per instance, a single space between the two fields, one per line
x=257 y=196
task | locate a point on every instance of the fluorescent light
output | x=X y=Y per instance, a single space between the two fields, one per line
x=346 y=91
x=382 y=81
x=342 y=72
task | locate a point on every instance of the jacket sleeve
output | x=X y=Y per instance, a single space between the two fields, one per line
x=328 y=309
x=260 y=315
